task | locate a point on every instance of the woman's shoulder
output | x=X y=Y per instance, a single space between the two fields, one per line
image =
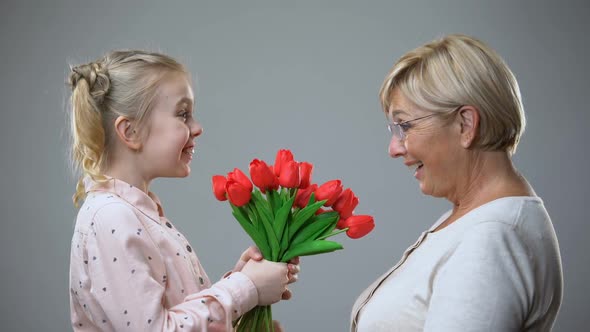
x=508 y=220
x=512 y=212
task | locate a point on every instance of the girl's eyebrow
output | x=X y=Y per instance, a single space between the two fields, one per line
x=185 y=100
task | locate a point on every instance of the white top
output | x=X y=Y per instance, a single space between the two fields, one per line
x=497 y=268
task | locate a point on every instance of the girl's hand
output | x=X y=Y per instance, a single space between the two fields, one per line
x=250 y=253
x=292 y=276
x=269 y=278
x=277 y=326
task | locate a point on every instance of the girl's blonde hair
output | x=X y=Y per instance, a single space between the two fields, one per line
x=461 y=70
x=122 y=83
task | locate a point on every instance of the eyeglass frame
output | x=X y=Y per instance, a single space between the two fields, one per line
x=398 y=127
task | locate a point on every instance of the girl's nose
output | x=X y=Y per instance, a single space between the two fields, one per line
x=196 y=129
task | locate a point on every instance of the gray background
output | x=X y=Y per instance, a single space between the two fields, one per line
x=302 y=75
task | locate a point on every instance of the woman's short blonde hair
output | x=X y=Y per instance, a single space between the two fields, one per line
x=461 y=70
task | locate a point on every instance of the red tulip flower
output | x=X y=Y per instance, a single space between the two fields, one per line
x=330 y=191
x=239 y=176
x=358 y=226
x=305 y=170
x=238 y=194
x=346 y=203
x=262 y=175
x=283 y=156
x=341 y=223
x=219 y=182
x=302 y=197
x=289 y=177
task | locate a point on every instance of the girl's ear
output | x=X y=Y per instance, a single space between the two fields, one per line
x=127 y=133
x=469 y=120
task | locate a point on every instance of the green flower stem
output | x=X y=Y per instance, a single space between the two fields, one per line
x=258 y=319
x=332 y=234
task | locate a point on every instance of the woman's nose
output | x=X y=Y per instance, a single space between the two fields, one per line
x=396 y=147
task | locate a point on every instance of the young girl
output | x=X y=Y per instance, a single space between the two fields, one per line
x=130 y=268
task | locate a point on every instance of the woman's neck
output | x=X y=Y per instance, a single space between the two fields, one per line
x=491 y=175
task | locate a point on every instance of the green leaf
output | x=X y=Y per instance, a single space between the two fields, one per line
x=263 y=209
x=300 y=217
x=258 y=238
x=277 y=220
x=311 y=248
x=311 y=199
x=285 y=238
x=262 y=205
x=281 y=219
x=240 y=214
x=313 y=229
x=274 y=199
x=252 y=214
x=284 y=195
x=331 y=228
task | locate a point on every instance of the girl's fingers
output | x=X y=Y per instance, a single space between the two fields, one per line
x=251 y=253
x=287 y=295
x=292 y=278
x=294 y=269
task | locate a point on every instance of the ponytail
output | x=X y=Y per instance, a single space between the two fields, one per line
x=90 y=84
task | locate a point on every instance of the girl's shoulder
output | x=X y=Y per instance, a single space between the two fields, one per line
x=105 y=209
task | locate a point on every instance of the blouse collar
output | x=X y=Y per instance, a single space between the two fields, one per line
x=149 y=204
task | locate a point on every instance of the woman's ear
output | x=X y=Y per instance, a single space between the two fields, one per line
x=127 y=133
x=469 y=119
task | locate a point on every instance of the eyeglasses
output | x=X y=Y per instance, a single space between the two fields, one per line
x=399 y=129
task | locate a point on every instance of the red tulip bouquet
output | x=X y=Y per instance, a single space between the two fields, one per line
x=284 y=215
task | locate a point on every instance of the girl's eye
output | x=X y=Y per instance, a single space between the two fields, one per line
x=184 y=115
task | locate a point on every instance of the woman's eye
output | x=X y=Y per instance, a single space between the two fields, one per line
x=184 y=115
x=405 y=126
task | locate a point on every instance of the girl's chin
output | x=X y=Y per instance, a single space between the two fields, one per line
x=181 y=172
x=185 y=172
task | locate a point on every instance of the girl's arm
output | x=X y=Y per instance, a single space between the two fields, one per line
x=128 y=280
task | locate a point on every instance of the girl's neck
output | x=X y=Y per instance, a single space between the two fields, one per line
x=130 y=173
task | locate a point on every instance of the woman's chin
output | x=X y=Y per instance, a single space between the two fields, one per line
x=424 y=190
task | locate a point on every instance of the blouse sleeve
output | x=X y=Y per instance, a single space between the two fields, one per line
x=128 y=281
x=484 y=285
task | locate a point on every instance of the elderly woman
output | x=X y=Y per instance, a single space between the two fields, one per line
x=492 y=262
